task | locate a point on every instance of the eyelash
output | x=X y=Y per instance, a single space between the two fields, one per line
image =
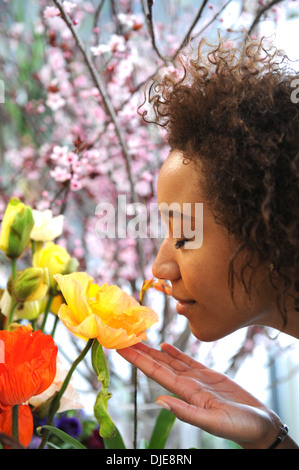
x=180 y=243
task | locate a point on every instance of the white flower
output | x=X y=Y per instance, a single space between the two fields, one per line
x=59 y=152
x=55 y=101
x=5 y=303
x=100 y=49
x=70 y=400
x=27 y=310
x=116 y=43
x=68 y=6
x=46 y=227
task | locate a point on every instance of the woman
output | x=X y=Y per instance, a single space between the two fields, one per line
x=233 y=130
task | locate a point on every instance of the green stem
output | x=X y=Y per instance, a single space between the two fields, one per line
x=14 y=268
x=9 y=318
x=47 y=310
x=54 y=326
x=33 y=247
x=135 y=408
x=56 y=402
x=15 y=422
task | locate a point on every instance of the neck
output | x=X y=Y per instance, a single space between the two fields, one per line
x=292 y=326
x=277 y=321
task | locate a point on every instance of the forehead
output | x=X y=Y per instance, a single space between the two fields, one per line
x=179 y=181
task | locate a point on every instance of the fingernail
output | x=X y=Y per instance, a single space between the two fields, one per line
x=163 y=404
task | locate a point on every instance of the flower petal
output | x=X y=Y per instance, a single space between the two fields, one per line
x=25 y=423
x=29 y=367
x=74 y=288
x=134 y=319
x=118 y=338
x=88 y=328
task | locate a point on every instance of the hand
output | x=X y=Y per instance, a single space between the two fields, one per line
x=206 y=399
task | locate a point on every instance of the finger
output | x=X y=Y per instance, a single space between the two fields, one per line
x=160 y=372
x=182 y=357
x=205 y=419
x=162 y=357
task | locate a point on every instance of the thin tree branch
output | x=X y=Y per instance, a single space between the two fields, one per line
x=149 y=20
x=192 y=26
x=212 y=20
x=97 y=13
x=96 y=17
x=260 y=14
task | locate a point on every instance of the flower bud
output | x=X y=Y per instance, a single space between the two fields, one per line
x=31 y=284
x=27 y=310
x=56 y=259
x=17 y=224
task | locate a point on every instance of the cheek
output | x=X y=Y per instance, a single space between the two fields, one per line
x=206 y=280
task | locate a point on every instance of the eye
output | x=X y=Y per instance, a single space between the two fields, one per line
x=183 y=242
x=180 y=243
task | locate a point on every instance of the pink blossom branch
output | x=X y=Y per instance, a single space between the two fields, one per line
x=108 y=106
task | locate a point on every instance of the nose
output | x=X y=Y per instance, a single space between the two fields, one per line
x=165 y=265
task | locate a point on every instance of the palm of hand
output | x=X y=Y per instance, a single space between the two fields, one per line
x=205 y=398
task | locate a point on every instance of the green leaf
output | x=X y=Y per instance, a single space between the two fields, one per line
x=99 y=364
x=161 y=431
x=62 y=435
x=115 y=442
x=143 y=444
x=43 y=410
x=107 y=427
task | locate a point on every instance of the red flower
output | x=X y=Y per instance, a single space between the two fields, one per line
x=28 y=369
x=29 y=365
x=25 y=423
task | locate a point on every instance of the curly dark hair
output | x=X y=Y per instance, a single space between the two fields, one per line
x=231 y=111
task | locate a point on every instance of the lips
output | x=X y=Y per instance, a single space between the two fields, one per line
x=183 y=306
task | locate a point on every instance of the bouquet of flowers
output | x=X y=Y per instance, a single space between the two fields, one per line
x=103 y=315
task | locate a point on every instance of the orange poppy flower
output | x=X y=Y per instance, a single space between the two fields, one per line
x=147 y=284
x=29 y=365
x=25 y=423
x=162 y=286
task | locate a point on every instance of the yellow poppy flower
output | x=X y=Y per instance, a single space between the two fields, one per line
x=104 y=312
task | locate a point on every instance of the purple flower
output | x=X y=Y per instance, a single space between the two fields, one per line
x=71 y=426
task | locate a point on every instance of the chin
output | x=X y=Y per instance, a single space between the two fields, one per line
x=208 y=335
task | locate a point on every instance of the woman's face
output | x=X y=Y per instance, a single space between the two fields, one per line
x=199 y=275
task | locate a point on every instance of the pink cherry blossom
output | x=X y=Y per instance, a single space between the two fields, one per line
x=50 y=12
x=60 y=174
